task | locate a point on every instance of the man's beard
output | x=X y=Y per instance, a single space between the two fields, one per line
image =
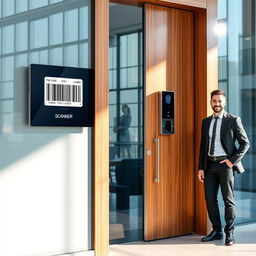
x=217 y=109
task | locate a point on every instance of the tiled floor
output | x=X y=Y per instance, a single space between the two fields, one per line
x=245 y=237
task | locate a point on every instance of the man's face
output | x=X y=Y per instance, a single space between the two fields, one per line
x=217 y=103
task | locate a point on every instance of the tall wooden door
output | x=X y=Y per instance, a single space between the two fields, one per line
x=169 y=159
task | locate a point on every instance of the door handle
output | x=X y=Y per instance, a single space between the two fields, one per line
x=157 y=142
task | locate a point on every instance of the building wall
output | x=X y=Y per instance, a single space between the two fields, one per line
x=45 y=172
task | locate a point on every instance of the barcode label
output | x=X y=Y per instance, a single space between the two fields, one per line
x=60 y=91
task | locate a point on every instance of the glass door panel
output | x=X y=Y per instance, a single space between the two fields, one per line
x=126 y=161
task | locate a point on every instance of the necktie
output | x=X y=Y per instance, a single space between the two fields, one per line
x=213 y=135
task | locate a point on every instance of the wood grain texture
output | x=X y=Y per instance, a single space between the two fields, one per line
x=201 y=93
x=169 y=205
x=101 y=130
x=101 y=175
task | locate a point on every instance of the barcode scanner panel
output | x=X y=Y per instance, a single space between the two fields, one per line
x=61 y=96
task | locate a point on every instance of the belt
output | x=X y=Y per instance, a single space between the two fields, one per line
x=217 y=158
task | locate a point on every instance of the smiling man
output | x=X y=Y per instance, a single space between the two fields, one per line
x=218 y=159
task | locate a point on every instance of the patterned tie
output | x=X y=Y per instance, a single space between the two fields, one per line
x=213 y=136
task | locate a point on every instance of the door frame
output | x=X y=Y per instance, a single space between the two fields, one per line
x=101 y=119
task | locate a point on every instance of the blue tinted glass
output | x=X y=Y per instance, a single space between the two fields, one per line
x=112 y=54
x=38 y=3
x=237 y=72
x=7 y=106
x=21 y=60
x=71 y=25
x=132 y=49
x=39 y=33
x=0 y=41
x=56 y=56
x=83 y=55
x=8 y=8
x=55 y=1
x=7 y=69
x=71 y=56
x=8 y=39
x=125 y=124
x=132 y=77
x=21 y=36
x=222 y=9
x=40 y=57
x=7 y=90
x=83 y=34
x=56 y=28
x=21 y=5
x=32 y=31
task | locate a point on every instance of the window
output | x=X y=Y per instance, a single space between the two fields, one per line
x=237 y=78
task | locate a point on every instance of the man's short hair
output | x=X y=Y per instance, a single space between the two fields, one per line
x=218 y=92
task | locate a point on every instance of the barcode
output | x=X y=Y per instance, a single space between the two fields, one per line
x=63 y=92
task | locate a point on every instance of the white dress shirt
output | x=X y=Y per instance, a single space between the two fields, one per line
x=218 y=149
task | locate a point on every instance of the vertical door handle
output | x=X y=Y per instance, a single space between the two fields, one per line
x=157 y=177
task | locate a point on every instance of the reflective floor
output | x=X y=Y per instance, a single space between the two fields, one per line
x=245 y=237
x=125 y=225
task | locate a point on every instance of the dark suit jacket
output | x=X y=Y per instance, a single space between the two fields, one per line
x=231 y=131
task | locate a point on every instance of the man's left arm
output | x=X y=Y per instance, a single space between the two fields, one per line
x=243 y=141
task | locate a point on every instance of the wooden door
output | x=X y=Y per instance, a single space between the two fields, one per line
x=169 y=54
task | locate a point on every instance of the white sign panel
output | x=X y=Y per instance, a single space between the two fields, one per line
x=64 y=92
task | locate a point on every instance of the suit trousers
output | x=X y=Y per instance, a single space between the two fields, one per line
x=220 y=175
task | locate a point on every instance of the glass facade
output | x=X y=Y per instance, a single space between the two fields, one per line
x=45 y=172
x=56 y=34
x=237 y=78
x=126 y=123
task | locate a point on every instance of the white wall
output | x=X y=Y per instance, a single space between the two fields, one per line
x=44 y=196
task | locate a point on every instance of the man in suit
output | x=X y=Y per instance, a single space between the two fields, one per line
x=219 y=157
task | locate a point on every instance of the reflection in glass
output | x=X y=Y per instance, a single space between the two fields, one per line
x=56 y=28
x=21 y=6
x=126 y=124
x=21 y=60
x=55 y=1
x=8 y=8
x=21 y=32
x=8 y=68
x=35 y=35
x=71 y=56
x=56 y=56
x=7 y=38
x=237 y=78
x=84 y=28
x=71 y=22
x=83 y=62
x=37 y=3
x=7 y=90
x=38 y=39
x=39 y=33
x=39 y=57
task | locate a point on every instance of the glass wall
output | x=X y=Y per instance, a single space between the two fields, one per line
x=237 y=78
x=126 y=123
x=57 y=34
x=45 y=172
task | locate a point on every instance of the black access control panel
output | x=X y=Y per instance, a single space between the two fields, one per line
x=166 y=112
x=61 y=96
